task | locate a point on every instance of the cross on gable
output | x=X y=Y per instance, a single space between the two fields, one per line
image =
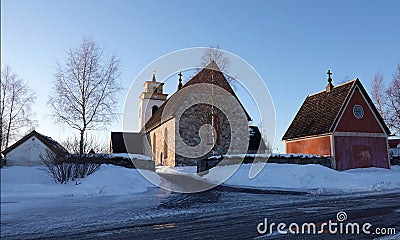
x=329 y=75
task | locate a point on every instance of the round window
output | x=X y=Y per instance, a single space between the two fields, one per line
x=358 y=111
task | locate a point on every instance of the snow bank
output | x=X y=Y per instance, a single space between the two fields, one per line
x=129 y=156
x=177 y=170
x=309 y=178
x=122 y=155
x=108 y=180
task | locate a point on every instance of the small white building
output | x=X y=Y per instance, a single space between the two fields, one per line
x=27 y=151
x=394 y=147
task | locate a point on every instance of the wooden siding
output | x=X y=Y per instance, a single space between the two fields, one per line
x=359 y=152
x=316 y=145
x=349 y=123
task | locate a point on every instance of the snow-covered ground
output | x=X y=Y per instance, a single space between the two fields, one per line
x=112 y=180
x=309 y=178
x=107 y=181
x=127 y=156
x=177 y=170
x=114 y=199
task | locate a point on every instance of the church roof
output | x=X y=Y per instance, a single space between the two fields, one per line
x=48 y=141
x=204 y=76
x=321 y=111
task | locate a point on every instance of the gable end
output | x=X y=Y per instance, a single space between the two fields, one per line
x=371 y=107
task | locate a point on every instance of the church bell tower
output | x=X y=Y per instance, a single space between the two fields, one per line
x=150 y=100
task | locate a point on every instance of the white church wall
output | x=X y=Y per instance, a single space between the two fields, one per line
x=145 y=107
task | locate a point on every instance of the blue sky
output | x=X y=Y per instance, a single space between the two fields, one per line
x=290 y=43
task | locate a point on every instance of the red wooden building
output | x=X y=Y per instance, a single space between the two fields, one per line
x=341 y=122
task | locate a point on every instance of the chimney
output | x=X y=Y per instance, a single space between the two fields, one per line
x=330 y=86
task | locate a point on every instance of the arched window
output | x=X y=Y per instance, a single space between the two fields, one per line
x=154 y=109
x=165 y=143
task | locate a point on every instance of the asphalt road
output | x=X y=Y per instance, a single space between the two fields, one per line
x=220 y=213
x=238 y=217
x=183 y=183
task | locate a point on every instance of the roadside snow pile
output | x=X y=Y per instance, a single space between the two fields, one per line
x=177 y=170
x=129 y=156
x=108 y=180
x=121 y=155
x=309 y=178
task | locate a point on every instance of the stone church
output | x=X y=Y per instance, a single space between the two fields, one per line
x=204 y=117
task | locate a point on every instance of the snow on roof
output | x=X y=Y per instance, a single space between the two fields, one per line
x=52 y=142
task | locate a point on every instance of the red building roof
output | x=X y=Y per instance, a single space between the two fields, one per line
x=393 y=143
x=320 y=112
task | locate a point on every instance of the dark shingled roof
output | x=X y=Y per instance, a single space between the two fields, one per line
x=204 y=76
x=320 y=112
x=48 y=141
x=126 y=142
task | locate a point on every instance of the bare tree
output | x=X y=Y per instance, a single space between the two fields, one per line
x=85 y=89
x=57 y=166
x=16 y=100
x=215 y=54
x=267 y=147
x=218 y=56
x=64 y=167
x=393 y=102
x=91 y=143
x=378 y=91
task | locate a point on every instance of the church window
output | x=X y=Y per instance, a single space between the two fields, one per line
x=154 y=109
x=358 y=111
